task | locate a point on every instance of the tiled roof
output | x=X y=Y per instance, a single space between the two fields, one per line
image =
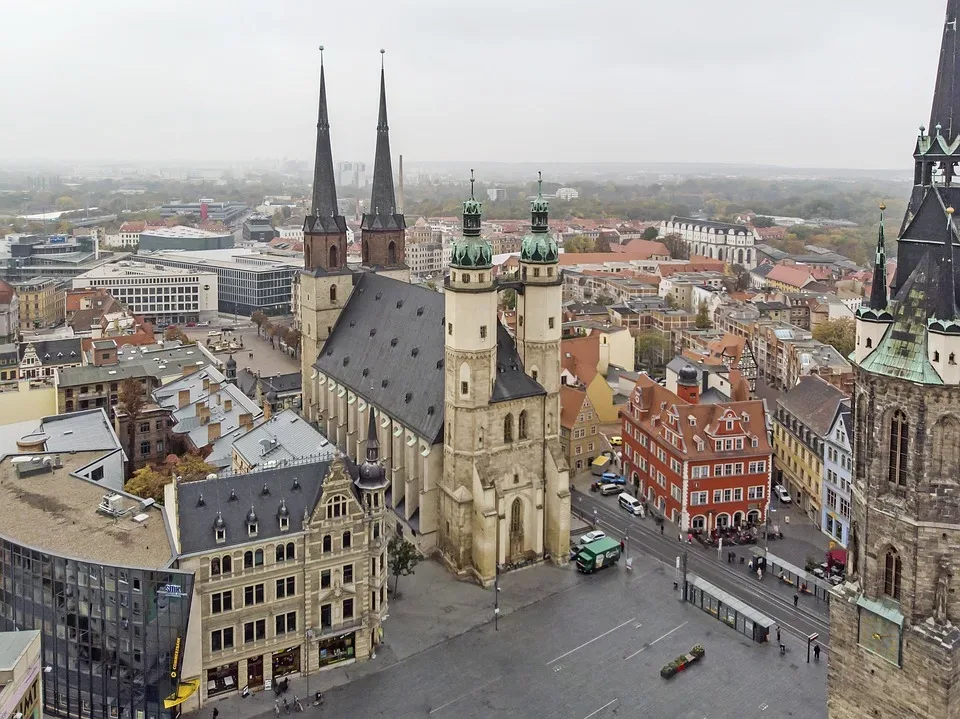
x=571 y=401
x=814 y=402
x=285 y=437
x=798 y=277
x=644 y=249
x=581 y=356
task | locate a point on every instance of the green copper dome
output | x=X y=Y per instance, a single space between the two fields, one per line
x=471 y=251
x=539 y=245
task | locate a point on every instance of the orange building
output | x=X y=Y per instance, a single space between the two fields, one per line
x=704 y=466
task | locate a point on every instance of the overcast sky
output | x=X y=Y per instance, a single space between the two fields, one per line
x=832 y=83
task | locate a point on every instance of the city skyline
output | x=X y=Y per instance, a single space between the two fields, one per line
x=238 y=82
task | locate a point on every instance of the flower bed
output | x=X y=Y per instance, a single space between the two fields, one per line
x=682 y=662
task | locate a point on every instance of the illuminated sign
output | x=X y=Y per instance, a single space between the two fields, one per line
x=171 y=590
x=176 y=659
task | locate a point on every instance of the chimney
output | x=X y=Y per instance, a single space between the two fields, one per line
x=227 y=405
x=206 y=384
x=183 y=398
x=189 y=369
x=203 y=413
x=267 y=410
x=246 y=421
x=213 y=432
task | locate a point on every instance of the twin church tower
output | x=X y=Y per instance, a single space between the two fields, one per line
x=467 y=414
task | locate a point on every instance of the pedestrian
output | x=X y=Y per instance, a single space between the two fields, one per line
x=816 y=652
x=216 y=713
x=661 y=530
x=760 y=573
x=778 y=635
x=679 y=536
x=622 y=546
x=796 y=599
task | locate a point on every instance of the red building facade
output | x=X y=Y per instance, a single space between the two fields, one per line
x=704 y=466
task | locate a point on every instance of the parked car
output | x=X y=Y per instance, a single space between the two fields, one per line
x=612 y=478
x=191 y=324
x=592 y=536
x=608 y=489
x=782 y=494
x=616 y=440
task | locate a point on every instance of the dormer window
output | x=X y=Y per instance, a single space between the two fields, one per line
x=251 y=529
x=284 y=524
x=221 y=536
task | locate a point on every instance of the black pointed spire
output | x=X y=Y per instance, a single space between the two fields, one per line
x=382 y=213
x=946 y=97
x=878 y=289
x=947 y=290
x=373 y=444
x=324 y=186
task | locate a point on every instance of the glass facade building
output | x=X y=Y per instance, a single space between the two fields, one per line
x=112 y=637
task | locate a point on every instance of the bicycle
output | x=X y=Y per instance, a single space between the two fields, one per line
x=296 y=703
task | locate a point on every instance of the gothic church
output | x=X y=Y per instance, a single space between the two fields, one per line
x=467 y=415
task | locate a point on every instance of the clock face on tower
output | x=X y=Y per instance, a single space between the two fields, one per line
x=880 y=635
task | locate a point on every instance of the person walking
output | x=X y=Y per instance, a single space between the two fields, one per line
x=661 y=530
x=622 y=546
x=760 y=573
x=216 y=713
x=796 y=599
x=816 y=652
x=778 y=635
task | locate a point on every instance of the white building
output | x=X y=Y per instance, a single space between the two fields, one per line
x=162 y=295
x=567 y=193
x=294 y=233
x=837 y=477
x=734 y=244
x=428 y=258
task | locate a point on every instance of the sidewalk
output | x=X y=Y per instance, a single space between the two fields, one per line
x=802 y=538
x=432 y=608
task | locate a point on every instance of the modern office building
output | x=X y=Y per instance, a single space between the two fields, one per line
x=21 y=678
x=93 y=571
x=161 y=295
x=247 y=280
x=183 y=238
x=257 y=228
x=57 y=256
x=225 y=212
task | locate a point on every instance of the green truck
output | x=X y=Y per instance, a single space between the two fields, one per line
x=598 y=554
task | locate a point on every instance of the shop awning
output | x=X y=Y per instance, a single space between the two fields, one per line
x=185 y=690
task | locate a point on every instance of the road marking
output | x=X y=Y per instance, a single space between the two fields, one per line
x=641 y=576
x=594 y=713
x=462 y=696
x=631 y=619
x=655 y=641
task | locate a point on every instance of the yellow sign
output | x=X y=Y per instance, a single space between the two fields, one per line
x=185 y=690
x=176 y=659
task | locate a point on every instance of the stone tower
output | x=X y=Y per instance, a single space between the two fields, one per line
x=383 y=228
x=894 y=650
x=325 y=281
x=504 y=494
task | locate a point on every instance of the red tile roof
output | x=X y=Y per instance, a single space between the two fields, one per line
x=650 y=248
x=581 y=356
x=571 y=401
x=791 y=275
x=133 y=226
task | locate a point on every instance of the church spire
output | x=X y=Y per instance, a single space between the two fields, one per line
x=372 y=475
x=324 y=187
x=878 y=289
x=945 y=112
x=383 y=213
x=373 y=444
x=947 y=289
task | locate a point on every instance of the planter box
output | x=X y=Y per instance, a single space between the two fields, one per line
x=680 y=663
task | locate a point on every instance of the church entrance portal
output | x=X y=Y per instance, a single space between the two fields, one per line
x=516 y=531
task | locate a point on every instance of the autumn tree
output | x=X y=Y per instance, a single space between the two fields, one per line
x=841 y=334
x=258 y=318
x=131 y=400
x=703 y=317
x=578 y=243
x=148 y=482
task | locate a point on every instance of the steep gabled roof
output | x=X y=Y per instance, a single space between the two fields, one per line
x=512 y=380
x=571 y=402
x=815 y=402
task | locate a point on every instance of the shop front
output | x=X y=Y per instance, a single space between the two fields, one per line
x=221 y=680
x=255 y=673
x=336 y=649
x=285 y=662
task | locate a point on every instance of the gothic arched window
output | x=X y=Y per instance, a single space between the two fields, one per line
x=891 y=574
x=897 y=462
x=516 y=516
x=508 y=428
x=365 y=251
x=870 y=344
x=214 y=566
x=281 y=555
x=227 y=564
x=333 y=293
x=392 y=253
x=334 y=258
x=522 y=425
x=945 y=445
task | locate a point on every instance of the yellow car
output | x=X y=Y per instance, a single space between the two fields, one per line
x=616 y=440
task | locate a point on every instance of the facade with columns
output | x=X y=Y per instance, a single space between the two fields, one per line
x=734 y=244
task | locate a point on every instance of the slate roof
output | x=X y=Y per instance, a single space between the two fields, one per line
x=247 y=382
x=285 y=437
x=762 y=270
x=383 y=204
x=299 y=487
x=710 y=224
x=814 y=402
x=371 y=351
x=281 y=383
x=54 y=352
x=512 y=380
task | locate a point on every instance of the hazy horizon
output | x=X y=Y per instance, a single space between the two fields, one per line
x=745 y=83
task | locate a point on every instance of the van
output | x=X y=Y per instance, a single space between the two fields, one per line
x=630 y=503
x=607 y=489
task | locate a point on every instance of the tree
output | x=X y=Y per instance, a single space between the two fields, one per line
x=403 y=558
x=677 y=247
x=293 y=341
x=840 y=334
x=578 y=243
x=258 y=318
x=601 y=245
x=651 y=233
x=671 y=302
x=742 y=275
x=175 y=334
x=64 y=204
x=508 y=300
x=148 y=482
x=605 y=300
x=131 y=401
x=760 y=221
x=191 y=467
x=650 y=349
x=703 y=317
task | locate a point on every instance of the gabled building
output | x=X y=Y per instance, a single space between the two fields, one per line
x=702 y=466
x=579 y=427
x=282 y=439
x=838 y=476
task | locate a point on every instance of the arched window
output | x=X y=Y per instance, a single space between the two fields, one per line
x=508 y=428
x=522 y=425
x=291 y=550
x=936 y=355
x=365 y=252
x=945 y=446
x=347 y=540
x=227 y=564
x=897 y=461
x=327 y=543
x=334 y=257
x=891 y=574
x=870 y=344
x=392 y=253
x=516 y=515
x=214 y=566
x=258 y=558
x=333 y=293
x=247 y=559
x=281 y=555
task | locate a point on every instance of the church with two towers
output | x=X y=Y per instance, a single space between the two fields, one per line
x=894 y=647
x=466 y=414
